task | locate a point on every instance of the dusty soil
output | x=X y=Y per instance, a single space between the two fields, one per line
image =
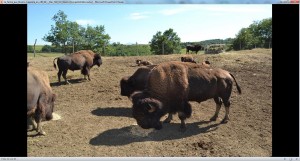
x=96 y=120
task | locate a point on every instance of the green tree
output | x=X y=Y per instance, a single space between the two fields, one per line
x=75 y=35
x=58 y=34
x=96 y=39
x=265 y=31
x=244 y=40
x=258 y=34
x=166 y=43
x=72 y=37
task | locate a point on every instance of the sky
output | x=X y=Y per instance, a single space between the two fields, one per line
x=137 y=23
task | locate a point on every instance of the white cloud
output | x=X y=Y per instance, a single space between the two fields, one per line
x=237 y=8
x=138 y=15
x=169 y=12
x=86 y=22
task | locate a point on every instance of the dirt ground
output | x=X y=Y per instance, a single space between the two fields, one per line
x=96 y=120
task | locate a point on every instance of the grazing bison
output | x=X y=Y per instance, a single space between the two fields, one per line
x=188 y=58
x=142 y=62
x=82 y=60
x=137 y=81
x=40 y=98
x=172 y=84
x=195 y=48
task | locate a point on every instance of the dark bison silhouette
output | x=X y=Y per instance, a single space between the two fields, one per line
x=82 y=60
x=195 y=48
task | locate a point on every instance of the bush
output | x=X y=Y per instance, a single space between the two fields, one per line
x=29 y=49
x=46 y=49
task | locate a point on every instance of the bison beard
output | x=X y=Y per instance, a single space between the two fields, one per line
x=147 y=111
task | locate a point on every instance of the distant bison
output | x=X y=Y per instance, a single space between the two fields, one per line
x=195 y=48
x=40 y=98
x=171 y=85
x=82 y=60
x=142 y=62
x=188 y=58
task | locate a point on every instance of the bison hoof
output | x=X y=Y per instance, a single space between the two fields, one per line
x=213 y=119
x=224 y=121
x=41 y=133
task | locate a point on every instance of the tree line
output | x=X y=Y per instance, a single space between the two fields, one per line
x=258 y=34
x=67 y=36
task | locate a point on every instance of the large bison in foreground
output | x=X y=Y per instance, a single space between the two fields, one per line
x=138 y=80
x=172 y=84
x=82 y=60
x=40 y=98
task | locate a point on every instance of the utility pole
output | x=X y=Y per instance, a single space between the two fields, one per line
x=34 y=48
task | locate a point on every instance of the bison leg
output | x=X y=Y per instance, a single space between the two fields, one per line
x=182 y=117
x=59 y=74
x=186 y=113
x=38 y=120
x=226 y=118
x=86 y=72
x=64 y=74
x=218 y=102
x=31 y=125
x=168 y=119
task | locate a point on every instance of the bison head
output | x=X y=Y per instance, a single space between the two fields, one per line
x=146 y=111
x=97 y=60
x=50 y=106
x=127 y=86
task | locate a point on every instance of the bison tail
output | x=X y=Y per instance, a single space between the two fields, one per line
x=54 y=62
x=237 y=86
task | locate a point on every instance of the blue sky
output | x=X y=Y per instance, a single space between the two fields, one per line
x=131 y=23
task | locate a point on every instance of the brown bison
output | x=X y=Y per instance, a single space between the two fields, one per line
x=195 y=48
x=142 y=62
x=172 y=84
x=82 y=60
x=138 y=80
x=40 y=98
x=188 y=58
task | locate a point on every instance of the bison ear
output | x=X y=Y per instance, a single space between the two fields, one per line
x=150 y=108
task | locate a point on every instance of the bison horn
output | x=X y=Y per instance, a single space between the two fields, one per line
x=150 y=108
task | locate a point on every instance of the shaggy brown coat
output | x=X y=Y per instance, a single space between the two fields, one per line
x=40 y=98
x=137 y=81
x=82 y=60
x=173 y=84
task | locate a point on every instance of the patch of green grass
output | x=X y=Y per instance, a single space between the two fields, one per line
x=45 y=54
x=38 y=47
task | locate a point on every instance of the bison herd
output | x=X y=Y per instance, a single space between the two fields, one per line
x=154 y=89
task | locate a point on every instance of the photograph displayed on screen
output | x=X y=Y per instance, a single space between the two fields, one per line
x=154 y=80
